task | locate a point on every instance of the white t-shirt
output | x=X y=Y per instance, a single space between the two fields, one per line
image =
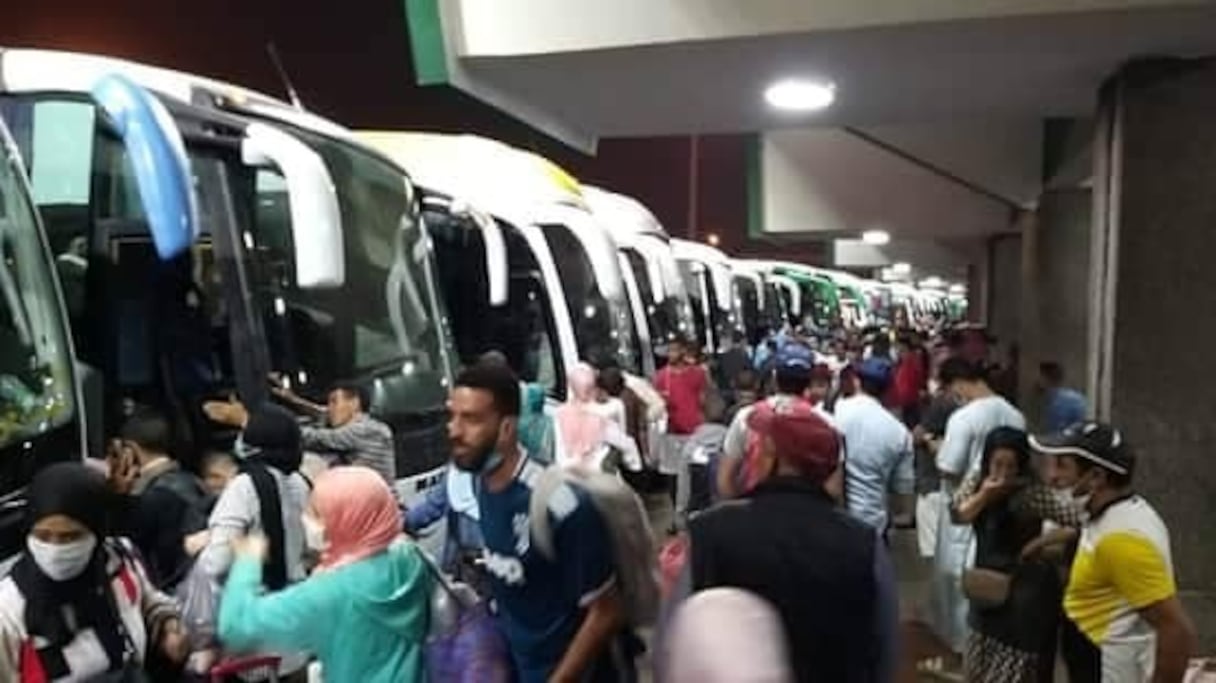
x=963 y=445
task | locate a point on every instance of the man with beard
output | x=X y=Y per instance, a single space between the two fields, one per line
x=561 y=616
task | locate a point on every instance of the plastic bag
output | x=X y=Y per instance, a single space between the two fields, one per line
x=198 y=597
x=465 y=644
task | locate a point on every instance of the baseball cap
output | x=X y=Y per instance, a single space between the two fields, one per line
x=799 y=437
x=1099 y=443
x=797 y=357
x=875 y=369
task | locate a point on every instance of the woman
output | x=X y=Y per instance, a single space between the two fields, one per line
x=363 y=613
x=78 y=605
x=1013 y=642
x=584 y=430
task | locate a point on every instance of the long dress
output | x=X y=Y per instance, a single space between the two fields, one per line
x=1015 y=642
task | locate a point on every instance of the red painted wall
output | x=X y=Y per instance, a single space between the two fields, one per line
x=350 y=61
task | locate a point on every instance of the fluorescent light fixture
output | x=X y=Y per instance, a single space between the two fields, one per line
x=958 y=289
x=932 y=282
x=876 y=237
x=793 y=94
x=901 y=268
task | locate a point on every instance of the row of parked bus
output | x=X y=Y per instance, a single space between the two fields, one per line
x=168 y=239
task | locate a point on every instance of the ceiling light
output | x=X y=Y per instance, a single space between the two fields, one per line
x=932 y=282
x=901 y=268
x=876 y=237
x=793 y=94
x=958 y=289
x=713 y=239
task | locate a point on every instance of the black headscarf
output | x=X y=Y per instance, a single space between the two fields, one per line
x=274 y=435
x=76 y=491
x=1011 y=439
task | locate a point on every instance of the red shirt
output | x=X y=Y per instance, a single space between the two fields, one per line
x=682 y=388
x=910 y=377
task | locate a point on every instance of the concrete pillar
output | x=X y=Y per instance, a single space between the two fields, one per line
x=1056 y=298
x=1154 y=297
x=1005 y=289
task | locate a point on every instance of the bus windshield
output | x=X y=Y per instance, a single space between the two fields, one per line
x=666 y=319
x=603 y=327
x=747 y=297
x=36 y=392
x=385 y=326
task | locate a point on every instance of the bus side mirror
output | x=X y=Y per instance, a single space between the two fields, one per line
x=158 y=157
x=496 y=251
x=316 y=222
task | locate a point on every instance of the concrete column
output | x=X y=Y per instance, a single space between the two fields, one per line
x=1005 y=288
x=1155 y=288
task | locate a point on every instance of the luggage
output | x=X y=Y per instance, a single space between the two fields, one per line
x=464 y=644
x=628 y=526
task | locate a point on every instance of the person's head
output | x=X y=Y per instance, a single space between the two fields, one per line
x=352 y=515
x=148 y=434
x=821 y=383
x=218 y=468
x=494 y=357
x=1051 y=375
x=881 y=346
x=347 y=400
x=272 y=435
x=963 y=378
x=1006 y=455
x=66 y=517
x=582 y=383
x=611 y=381
x=747 y=382
x=483 y=414
x=793 y=369
x=874 y=375
x=795 y=443
x=679 y=351
x=1091 y=459
x=726 y=635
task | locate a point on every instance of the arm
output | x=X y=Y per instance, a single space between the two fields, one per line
x=1142 y=577
x=161 y=615
x=1176 y=639
x=969 y=500
x=1058 y=536
x=342 y=439
x=11 y=638
x=955 y=450
x=285 y=619
x=585 y=552
x=430 y=510
x=734 y=446
x=886 y=614
x=232 y=518
x=299 y=403
x=903 y=479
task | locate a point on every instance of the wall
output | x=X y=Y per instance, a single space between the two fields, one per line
x=1064 y=223
x=1004 y=308
x=1162 y=168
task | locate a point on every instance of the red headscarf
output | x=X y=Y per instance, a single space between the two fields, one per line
x=359 y=513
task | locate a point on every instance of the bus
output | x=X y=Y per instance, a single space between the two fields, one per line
x=707 y=279
x=292 y=222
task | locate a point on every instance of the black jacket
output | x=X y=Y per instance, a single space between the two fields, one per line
x=790 y=544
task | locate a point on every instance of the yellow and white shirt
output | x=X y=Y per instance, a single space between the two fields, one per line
x=1123 y=564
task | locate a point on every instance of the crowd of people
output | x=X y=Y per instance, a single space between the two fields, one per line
x=788 y=466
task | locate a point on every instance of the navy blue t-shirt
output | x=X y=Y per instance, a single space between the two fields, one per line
x=541 y=603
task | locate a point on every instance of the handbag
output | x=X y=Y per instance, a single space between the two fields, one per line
x=986 y=588
x=464 y=644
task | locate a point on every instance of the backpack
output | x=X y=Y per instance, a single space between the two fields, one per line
x=628 y=527
x=749 y=473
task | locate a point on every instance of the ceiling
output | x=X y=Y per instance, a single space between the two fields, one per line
x=946 y=71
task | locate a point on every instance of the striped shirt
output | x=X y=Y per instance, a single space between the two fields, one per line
x=363 y=441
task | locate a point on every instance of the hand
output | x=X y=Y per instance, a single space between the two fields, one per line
x=253 y=546
x=995 y=487
x=279 y=387
x=194 y=543
x=123 y=467
x=231 y=412
x=174 y=643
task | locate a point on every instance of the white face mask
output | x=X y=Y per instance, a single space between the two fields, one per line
x=62 y=561
x=314 y=533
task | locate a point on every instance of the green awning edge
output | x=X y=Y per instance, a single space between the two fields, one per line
x=424 y=23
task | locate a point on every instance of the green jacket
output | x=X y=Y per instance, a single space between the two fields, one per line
x=366 y=622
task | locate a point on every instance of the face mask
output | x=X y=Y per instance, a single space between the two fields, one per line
x=314 y=533
x=62 y=561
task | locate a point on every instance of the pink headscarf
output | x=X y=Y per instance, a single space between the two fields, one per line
x=582 y=431
x=726 y=635
x=359 y=513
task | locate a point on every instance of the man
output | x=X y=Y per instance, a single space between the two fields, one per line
x=1121 y=593
x=734 y=360
x=821 y=384
x=960 y=453
x=826 y=573
x=353 y=436
x=167 y=503
x=1063 y=407
x=560 y=616
x=880 y=458
x=683 y=384
x=793 y=367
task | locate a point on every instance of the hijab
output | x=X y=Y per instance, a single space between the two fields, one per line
x=359 y=512
x=79 y=492
x=1007 y=438
x=271 y=439
x=582 y=431
x=727 y=635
